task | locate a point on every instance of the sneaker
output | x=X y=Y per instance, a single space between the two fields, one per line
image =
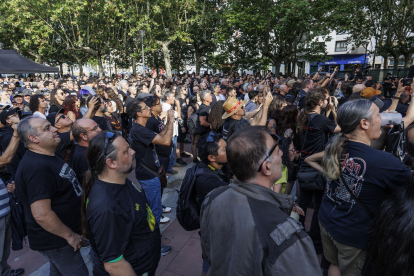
x=165 y=249
x=177 y=165
x=172 y=172
x=166 y=209
x=20 y=271
x=183 y=154
x=164 y=220
x=181 y=161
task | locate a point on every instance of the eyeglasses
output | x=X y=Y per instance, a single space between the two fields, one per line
x=145 y=108
x=278 y=143
x=108 y=136
x=61 y=116
x=292 y=150
x=94 y=129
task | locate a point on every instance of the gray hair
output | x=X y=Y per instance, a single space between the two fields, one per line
x=25 y=129
x=203 y=94
x=121 y=83
x=168 y=94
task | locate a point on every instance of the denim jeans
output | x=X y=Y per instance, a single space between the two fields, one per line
x=152 y=190
x=172 y=156
x=65 y=262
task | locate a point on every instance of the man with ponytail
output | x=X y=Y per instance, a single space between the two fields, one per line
x=116 y=216
x=352 y=165
x=51 y=196
x=315 y=131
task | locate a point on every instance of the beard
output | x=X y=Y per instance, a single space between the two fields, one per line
x=127 y=170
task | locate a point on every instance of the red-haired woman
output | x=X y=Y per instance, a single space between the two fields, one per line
x=71 y=105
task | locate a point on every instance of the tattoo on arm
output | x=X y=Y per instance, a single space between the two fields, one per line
x=273 y=127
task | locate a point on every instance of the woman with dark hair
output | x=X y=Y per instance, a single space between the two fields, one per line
x=71 y=105
x=274 y=109
x=110 y=115
x=287 y=123
x=391 y=234
x=83 y=103
x=56 y=100
x=215 y=117
x=288 y=166
x=193 y=107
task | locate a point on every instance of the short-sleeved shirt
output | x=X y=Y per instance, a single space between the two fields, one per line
x=65 y=145
x=141 y=143
x=320 y=128
x=226 y=127
x=371 y=175
x=79 y=163
x=120 y=224
x=48 y=177
x=204 y=110
x=206 y=182
x=157 y=125
x=251 y=106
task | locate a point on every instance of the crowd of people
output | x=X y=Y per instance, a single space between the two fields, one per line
x=265 y=149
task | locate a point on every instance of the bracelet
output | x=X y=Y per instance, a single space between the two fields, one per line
x=395 y=97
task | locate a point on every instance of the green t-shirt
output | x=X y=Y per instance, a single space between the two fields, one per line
x=284 y=179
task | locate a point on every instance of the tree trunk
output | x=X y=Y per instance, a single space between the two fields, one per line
x=385 y=62
x=134 y=66
x=99 y=58
x=277 y=68
x=61 y=68
x=167 y=58
x=80 y=70
x=407 y=60
x=197 y=60
x=395 y=62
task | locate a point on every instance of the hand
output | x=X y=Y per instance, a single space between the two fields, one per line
x=75 y=241
x=298 y=210
x=170 y=115
x=268 y=100
x=400 y=88
x=288 y=133
x=320 y=69
x=92 y=102
x=378 y=86
x=11 y=187
x=14 y=126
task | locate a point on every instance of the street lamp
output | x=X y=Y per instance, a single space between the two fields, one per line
x=142 y=33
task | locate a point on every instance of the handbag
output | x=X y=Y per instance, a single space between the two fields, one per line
x=310 y=179
x=395 y=141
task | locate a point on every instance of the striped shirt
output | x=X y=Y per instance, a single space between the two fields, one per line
x=4 y=200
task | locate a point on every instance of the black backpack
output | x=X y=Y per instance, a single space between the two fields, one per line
x=193 y=123
x=188 y=210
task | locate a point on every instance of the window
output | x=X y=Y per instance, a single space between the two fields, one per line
x=341 y=46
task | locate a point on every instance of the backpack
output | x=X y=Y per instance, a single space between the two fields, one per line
x=188 y=210
x=193 y=124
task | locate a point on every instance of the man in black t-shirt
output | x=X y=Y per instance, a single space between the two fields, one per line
x=143 y=141
x=387 y=86
x=234 y=111
x=314 y=137
x=124 y=234
x=83 y=131
x=50 y=194
x=204 y=110
x=99 y=117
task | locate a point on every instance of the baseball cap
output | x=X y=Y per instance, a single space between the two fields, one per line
x=51 y=117
x=26 y=92
x=369 y=92
x=17 y=93
x=45 y=91
x=6 y=113
x=289 y=83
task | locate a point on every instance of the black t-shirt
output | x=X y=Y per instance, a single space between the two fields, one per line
x=157 y=126
x=79 y=163
x=204 y=110
x=401 y=108
x=102 y=122
x=48 y=177
x=120 y=224
x=6 y=134
x=387 y=85
x=302 y=102
x=317 y=137
x=129 y=100
x=65 y=145
x=141 y=143
x=226 y=127
x=53 y=108
x=371 y=175
x=183 y=106
x=209 y=181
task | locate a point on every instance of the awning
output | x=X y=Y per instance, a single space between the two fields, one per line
x=343 y=59
x=13 y=63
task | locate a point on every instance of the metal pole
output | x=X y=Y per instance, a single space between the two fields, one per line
x=143 y=60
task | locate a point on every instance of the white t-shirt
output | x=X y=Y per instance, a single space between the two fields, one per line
x=39 y=114
x=166 y=107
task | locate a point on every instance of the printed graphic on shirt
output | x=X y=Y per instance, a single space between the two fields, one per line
x=135 y=186
x=67 y=172
x=136 y=206
x=353 y=171
x=150 y=219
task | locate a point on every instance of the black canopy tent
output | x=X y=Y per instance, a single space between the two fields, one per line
x=13 y=63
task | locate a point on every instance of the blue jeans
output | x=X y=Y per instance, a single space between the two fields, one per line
x=64 y=261
x=172 y=156
x=152 y=190
x=206 y=266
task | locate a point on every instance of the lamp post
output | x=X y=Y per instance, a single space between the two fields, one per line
x=142 y=33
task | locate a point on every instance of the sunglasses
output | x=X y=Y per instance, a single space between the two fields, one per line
x=61 y=116
x=278 y=143
x=108 y=136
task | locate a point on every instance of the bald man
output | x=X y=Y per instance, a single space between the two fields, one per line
x=358 y=88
